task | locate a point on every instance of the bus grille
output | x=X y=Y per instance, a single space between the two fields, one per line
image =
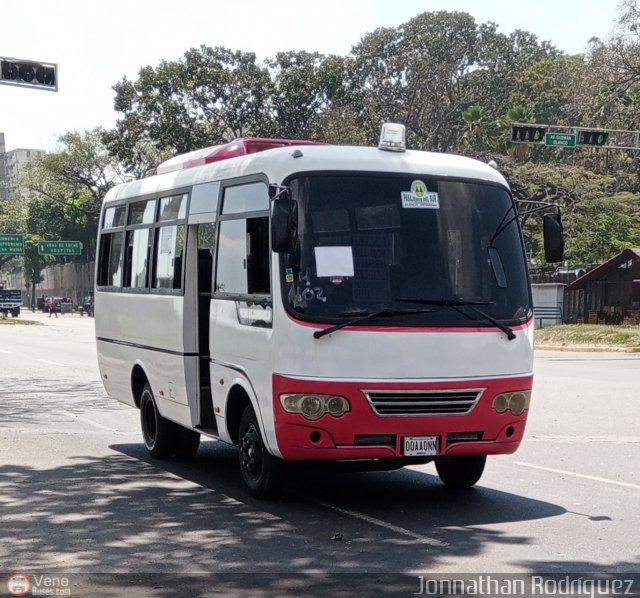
x=421 y=402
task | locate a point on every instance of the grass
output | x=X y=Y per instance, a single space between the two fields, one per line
x=589 y=335
x=15 y=321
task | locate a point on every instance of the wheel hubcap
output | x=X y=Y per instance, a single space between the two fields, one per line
x=251 y=452
x=150 y=422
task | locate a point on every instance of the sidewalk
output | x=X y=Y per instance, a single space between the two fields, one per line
x=73 y=320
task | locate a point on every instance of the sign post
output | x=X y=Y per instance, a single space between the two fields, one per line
x=11 y=244
x=60 y=248
x=560 y=139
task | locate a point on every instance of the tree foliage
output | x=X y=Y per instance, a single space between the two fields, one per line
x=64 y=190
x=456 y=84
x=12 y=222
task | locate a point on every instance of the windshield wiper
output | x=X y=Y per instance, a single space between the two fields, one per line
x=457 y=304
x=387 y=311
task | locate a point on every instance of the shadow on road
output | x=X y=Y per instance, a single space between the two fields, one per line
x=28 y=399
x=121 y=513
x=405 y=497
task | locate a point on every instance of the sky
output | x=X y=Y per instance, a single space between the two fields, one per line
x=95 y=44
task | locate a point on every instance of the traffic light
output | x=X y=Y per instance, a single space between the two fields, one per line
x=27 y=73
x=528 y=133
x=592 y=137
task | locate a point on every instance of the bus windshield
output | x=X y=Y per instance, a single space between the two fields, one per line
x=375 y=243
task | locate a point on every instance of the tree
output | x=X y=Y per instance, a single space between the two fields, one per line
x=603 y=227
x=599 y=221
x=551 y=90
x=12 y=217
x=501 y=59
x=66 y=189
x=303 y=85
x=139 y=157
x=377 y=73
x=480 y=132
x=209 y=96
x=455 y=84
x=33 y=265
x=430 y=71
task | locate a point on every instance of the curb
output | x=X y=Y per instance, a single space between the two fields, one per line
x=586 y=349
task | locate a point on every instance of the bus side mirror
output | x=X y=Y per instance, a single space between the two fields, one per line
x=284 y=225
x=553 y=237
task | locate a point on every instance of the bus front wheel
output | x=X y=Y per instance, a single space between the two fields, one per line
x=158 y=432
x=262 y=472
x=460 y=472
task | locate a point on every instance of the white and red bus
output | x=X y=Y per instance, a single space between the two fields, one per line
x=311 y=302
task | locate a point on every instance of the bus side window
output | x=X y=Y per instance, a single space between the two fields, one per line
x=243 y=257
x=168 y=257
x=206 y=247
x=109 y=269
x=243 y=244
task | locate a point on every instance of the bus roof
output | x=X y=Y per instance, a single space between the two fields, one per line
x=280 y=163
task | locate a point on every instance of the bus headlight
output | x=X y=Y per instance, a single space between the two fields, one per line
x=314 y=406
x=516 y=402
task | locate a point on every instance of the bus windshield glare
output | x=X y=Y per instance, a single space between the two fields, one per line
x=366 y=243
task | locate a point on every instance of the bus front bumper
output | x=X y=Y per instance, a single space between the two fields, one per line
x=363 y=434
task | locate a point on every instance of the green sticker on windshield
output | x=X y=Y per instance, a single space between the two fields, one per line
x=419 y=197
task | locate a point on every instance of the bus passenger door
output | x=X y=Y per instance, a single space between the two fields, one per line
x=241 y=309
x=202 y=235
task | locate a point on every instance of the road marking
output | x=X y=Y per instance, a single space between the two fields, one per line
x=394 y=528
x=3 y=351
x=89 y=421
x=62 y=365
x=579 y=475
x=586 y=439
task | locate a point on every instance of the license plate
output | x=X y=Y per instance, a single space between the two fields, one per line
x=420 y=446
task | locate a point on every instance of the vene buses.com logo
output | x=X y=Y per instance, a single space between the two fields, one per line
x=18 y=585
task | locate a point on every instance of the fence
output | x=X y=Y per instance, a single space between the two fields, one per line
x=553 y=313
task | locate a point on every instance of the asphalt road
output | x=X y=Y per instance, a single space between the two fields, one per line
x=80 y=497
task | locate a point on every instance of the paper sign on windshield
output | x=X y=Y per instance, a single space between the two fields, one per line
x=334 y=261
x=419 y=197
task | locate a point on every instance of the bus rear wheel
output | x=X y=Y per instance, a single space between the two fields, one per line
x=460 y=472
x=158 y=432
x=262 y=472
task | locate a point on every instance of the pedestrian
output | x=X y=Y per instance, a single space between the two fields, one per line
x=53 y=307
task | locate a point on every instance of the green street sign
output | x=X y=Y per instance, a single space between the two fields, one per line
x=60 y=248
x=11 y=244
x=560 y=139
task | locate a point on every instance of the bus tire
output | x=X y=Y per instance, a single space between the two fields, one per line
x=460 y=472
x=262 y=472
x=158 y=432
x=187 y=443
